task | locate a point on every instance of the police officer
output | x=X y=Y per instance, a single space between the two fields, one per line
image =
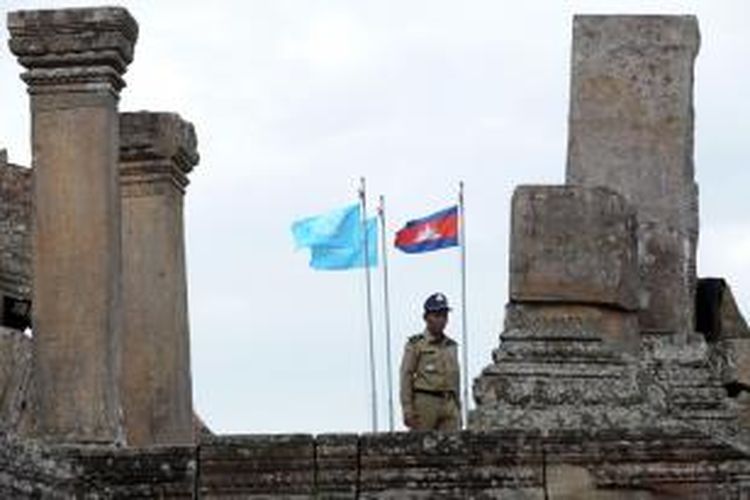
x=430 y=373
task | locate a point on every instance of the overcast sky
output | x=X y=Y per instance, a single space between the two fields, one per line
x=293 y=101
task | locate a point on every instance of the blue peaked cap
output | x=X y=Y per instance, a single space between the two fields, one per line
x=436 y=302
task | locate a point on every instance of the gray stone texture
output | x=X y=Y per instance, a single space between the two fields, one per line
x=32 y=470
x=257 y=466
x=574 y=245
x=15 y=373
x=81 y=50
x=731 y=323
x=568 y=352
x=646 y=464
x=603 y=267
x=74 y=60
x=15 y=230
x=685 y=384
x=720 y=320
x=157 y=151
x=631 y=129
x=586 y=396
x=558 y=367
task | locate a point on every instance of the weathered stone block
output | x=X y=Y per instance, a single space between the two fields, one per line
x=450 y=465
x=15 y=230
x=55 y=46
x=147 y=138
x=167 y=472
x=564 y=330
x=718 y=317
x=721 y=322
x=28 y=471
x=575 y=245
x=75 y=59
x=15 y=372
x=157 y=150
x=631 y=129
x=257 y=466
x=337 y=466
x=562 y=367
x=740 y=349
x=571 y=337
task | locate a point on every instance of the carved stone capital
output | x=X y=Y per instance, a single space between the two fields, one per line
x=73 y=50
x=156 y=147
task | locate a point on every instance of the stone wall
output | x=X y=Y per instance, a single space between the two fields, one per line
x=599 y=388
x=15 y=292
x=15 y=230
x=599 y=334
x=15 y=374
x=647 y=465
x=29 y=470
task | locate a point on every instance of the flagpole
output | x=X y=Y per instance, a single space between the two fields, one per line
x=368 y=280
x=387 y=309
x=464 y=322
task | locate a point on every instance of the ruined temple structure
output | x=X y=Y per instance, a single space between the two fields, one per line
x=620 y=374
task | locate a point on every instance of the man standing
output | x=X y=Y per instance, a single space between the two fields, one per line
x=430 y=373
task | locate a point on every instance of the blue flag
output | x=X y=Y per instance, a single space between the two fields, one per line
x=330 y=258
x=335 y=239
x=337 y=228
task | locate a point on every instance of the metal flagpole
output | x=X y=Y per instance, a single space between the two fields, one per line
x=465 y=336
x=387 y=309
x=371 y=336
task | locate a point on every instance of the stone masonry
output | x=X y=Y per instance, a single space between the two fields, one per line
x=600 y=331
x=568 y=353
x=465 y=465
x=74 y=60
x=157 y=151
x=15 y=230
x=619 y=376
x=15 y=375
x=631 y=129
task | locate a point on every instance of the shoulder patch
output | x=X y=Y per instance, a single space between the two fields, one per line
x=450 y=341
x=415 y=338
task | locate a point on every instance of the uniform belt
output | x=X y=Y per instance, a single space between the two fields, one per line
x=437 y=394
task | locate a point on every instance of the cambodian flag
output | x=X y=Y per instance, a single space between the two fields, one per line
x=436 y=231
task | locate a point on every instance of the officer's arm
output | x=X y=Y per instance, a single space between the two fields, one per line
x=408 y=367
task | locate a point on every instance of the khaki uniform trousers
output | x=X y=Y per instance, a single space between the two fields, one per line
x=436 y=412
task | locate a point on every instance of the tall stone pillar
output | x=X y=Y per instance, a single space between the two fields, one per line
x=157 y=151
x=631 y=130
x=75 y=59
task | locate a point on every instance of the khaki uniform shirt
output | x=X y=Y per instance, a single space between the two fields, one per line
x=429 y=365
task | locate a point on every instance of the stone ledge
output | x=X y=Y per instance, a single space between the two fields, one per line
x=390 y=465
x=158 y=136
x=73 y=47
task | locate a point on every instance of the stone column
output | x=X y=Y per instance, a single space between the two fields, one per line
x=631 y=129
x=157 y=151
x=75 y=59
